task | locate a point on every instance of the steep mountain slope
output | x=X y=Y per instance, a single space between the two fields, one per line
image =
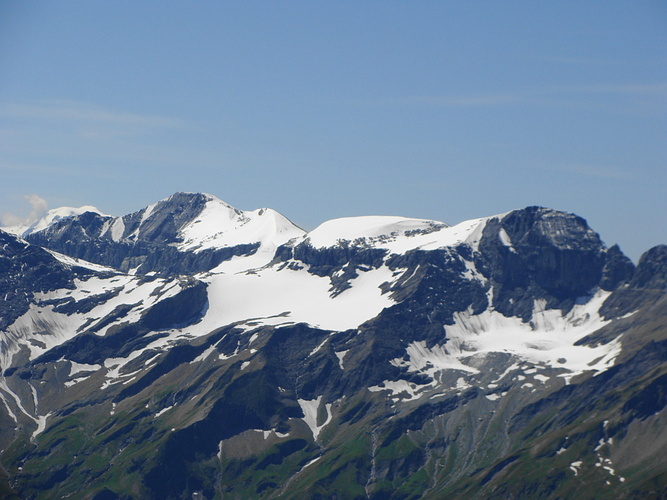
x=183 y=234
x=216 y=353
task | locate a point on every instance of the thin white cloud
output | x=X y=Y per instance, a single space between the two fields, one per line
x=537 y=95
x=639 y=89
x=598 y=171
x=71 y=133
x=586 y=61
x=30 y=167
x=88 y=171
x=8 y=219
x=464 y=100
x=38 y=205
x=75 y=111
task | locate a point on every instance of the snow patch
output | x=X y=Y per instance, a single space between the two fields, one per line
x=80 y=367
x=505 y=239
x=549 y=340
x=318 y=347
x=279 y=297
x=310 y=410
x=162 y=411
x=75 y=381
x=430 y=361
x=461 y=384
x=41 y=426
x=117 y=229
x=9 y=409
x=397 y=388
x=204 y=355
x=341 y=356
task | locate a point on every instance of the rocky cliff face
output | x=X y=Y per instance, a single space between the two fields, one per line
x=513 y=356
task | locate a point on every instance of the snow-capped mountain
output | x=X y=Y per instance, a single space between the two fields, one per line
x=51 y=217
x=185 y=233
x=193 y=349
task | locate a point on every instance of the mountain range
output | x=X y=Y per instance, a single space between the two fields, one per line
x=194 y=350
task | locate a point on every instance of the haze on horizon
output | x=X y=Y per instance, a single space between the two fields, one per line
x=445 y=111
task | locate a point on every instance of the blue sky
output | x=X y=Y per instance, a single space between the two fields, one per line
x=440 y=110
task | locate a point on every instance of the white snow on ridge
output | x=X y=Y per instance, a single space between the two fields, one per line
x=396 y=234
x=73 y=261
x=220 y=225
x=147 y=213
x=374 y=229
x=245 y=290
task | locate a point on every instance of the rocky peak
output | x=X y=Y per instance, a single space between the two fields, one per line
x=539 y=253
x=651 y=270
x=162 y=221
x=182 y=234
x=53 y=216
x=539 y=226
x=618 y=269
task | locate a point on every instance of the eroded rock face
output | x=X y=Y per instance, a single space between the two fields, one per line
x=618 y=269
x=538 y=253
x=651 y=270
x=340 y=263
x=647 y=283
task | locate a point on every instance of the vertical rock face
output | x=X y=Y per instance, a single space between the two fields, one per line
x=618 y=269
x=538 y=253
x=228 y=354
x=162 y=222
x=652 y=269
